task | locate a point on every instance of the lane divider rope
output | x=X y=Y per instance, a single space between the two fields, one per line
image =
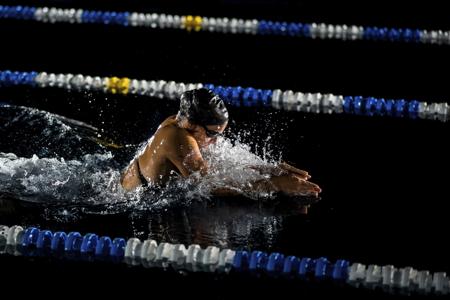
x=32 y=241
x=236 y=95
x=226 y=25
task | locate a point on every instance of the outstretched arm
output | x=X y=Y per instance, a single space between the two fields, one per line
x=186 y=156
x=289 y=185
x=282 y=168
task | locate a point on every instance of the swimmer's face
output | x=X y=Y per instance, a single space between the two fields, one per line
x=207 y=135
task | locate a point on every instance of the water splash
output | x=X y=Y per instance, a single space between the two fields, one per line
x=63 y=167
x=232 y=165
x=56 y=180
x=26 y=131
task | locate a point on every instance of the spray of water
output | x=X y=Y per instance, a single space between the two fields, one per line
x=53 y=172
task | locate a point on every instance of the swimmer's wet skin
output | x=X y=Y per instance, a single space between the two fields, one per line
x=176 y=148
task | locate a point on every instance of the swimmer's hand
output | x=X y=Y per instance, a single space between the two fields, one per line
x=293 y=170
x=292 y=185
x=281 y=169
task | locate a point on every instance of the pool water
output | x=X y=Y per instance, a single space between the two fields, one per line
x=384 y=181
x=61 y=177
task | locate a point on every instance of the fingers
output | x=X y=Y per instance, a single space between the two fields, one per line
x=316 y=187
x=281 y=169
x=301 y=176
x=311 y=187
x=294 y=170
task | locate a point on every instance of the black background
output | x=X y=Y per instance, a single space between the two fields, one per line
x=384 y=180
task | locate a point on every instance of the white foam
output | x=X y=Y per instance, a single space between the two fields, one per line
x=93 y=179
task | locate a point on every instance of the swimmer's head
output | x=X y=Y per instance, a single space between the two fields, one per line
x=203 y=107
x=206 y=114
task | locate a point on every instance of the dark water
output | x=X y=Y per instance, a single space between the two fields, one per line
x=384 y=181
x=68 y=171
x=383 y=191
x=376 y=202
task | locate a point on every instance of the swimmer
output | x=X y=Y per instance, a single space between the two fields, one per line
x=176 y=149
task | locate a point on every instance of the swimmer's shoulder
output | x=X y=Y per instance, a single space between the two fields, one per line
x=167 y=127
x=170 y=121
x=170 y=131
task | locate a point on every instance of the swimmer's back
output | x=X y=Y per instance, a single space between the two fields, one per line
x=170 y=152
x=154 y=162
x=152 y=165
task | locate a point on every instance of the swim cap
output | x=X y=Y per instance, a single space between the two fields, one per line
x=203 y=107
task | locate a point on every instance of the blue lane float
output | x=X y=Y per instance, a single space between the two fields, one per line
x=118 y=248
x=103 y=247
x=73 y=242
x=9 y=78
x=89 y=244
x=44 y=239
x=275 y=263
x=340 y=270
x=258 y=261
x=30 y=237
x=241 y=261
x=58 y=241
x=291 y=265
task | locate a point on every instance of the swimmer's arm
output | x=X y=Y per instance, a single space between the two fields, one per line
x=130 y=178
x=185 y=155
x=263 y=185
x=187 y=158
x=282 y=168
x=260 y=185
x=290 y=185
